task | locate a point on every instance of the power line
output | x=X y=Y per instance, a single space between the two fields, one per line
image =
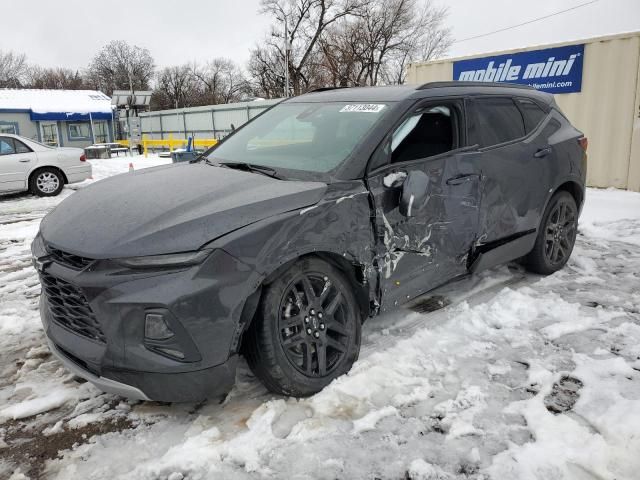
x=528 y=22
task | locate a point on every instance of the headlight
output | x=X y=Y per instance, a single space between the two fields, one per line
x=183 y=259
x=37 y=246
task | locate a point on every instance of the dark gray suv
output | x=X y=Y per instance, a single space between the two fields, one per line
x=278 y=243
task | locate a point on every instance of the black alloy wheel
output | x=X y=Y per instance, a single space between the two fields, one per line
x=560 y=232
x=314 y=325
x=556 y=235
x=307 y=329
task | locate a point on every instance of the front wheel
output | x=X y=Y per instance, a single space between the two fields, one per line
x=556 y=236
x=307 y=330
x=46 y=182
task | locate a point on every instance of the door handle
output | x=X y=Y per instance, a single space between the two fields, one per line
x=543 y=152
x=460 y=179
x=24 y=160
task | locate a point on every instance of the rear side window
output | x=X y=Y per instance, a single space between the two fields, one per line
x=498 y=120
x=21 y=147
x=532 y=113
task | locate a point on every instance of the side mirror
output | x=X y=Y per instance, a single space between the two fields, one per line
x=415 y=193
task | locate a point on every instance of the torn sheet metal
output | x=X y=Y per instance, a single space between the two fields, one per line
x=418 y=253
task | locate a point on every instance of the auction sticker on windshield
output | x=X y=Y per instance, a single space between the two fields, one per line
x=362 y=107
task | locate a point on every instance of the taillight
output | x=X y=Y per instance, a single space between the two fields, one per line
x=83 y=158
x=584 y=143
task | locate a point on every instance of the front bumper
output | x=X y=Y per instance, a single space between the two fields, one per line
x=202 y=304
x=103 y=383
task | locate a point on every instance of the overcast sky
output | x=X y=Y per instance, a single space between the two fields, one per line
x=69 y=33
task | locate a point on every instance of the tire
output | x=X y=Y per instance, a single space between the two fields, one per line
x=307 y=329
x=46 y=182
x=556 y=235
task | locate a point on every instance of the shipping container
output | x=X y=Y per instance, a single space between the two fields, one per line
x=603 y=98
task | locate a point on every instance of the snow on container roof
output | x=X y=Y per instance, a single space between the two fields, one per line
x=55 y=101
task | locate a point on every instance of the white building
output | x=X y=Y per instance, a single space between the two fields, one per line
x=71 y=118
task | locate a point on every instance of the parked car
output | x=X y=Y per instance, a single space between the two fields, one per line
x=278 y=243
x=43 y=170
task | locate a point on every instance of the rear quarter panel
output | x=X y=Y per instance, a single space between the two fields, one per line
x=67 y=160
x=570 y=159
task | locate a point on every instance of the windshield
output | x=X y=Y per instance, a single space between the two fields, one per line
x=312 y=137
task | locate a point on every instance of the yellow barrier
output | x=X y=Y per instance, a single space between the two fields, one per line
x=172 y=143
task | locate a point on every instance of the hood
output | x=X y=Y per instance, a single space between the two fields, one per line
x=169 y=209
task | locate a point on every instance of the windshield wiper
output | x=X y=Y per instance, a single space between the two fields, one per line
x=250 y=167
x=200 y=158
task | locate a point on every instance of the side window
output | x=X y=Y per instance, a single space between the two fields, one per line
x=101 y=132
x=532 y=113
x=6 y=146
x=21 y=147
x=8 y=128
x=79 y=130
x=425 y=134
x=498 y=120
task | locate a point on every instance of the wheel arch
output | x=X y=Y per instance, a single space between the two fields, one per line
x=534 y=261
x=39 y=168
x=570 y=186
x=574 y=188
x=353 y=272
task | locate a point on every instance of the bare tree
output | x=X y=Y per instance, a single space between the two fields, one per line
x=377 y=46
x=348 y=42
x=426 y=38
x=307 y=20
x=119 y=65
x=343 y=50
x=13 y=68
x=266 y=69
x=220 y=81
x=176 y=88
x=55 y=78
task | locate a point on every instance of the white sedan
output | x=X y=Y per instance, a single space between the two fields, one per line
x=29 y=165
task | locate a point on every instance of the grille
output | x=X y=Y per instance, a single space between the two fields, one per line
x=70 y=308
x=70 y=260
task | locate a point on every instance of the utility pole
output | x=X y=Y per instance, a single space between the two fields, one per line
x=93 y=133
x=178 y=118
x=132 y=102
x=287 y=47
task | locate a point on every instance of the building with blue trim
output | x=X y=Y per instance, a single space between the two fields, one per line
x=65 y=118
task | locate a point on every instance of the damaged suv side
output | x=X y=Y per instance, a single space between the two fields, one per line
x=327 y=209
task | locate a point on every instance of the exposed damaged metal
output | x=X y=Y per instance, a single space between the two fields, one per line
x=325 y=210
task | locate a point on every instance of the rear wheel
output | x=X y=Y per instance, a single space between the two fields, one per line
x=46 y=182
x=307 y=331
x=556 y=236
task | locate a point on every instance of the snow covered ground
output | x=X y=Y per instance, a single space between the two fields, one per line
x=520 y=377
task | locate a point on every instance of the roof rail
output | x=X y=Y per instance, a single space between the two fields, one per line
x=464 y=83
x=324 y=89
